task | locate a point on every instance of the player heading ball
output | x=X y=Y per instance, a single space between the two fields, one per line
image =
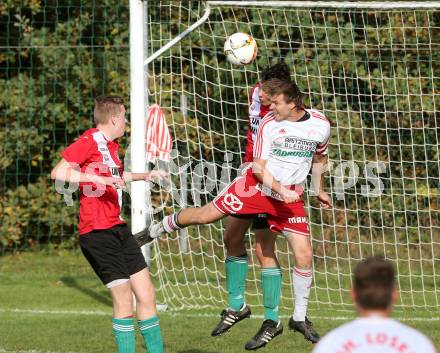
x=274 y=185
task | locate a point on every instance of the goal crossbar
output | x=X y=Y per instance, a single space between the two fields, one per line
x=333 y=4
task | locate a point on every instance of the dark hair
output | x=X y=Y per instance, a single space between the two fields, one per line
x=373 y=283
x=280 y=71
x=289 y=89
x=106 y=106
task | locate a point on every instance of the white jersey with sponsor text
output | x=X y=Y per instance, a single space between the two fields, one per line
x=374 y=335
x=288 y=147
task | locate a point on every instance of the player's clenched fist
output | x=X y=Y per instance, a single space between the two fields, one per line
x=324 y=200
x=289 y=196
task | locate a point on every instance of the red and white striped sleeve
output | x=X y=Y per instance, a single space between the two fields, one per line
x=322 y=148
x=263 y=142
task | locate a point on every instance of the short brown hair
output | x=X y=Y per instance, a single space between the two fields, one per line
x=373 y=283
x=289 y=89
x=106 y=106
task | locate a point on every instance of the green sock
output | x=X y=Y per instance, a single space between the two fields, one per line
x=123 y=329
x=271 y=283
x=150 y=330
x=236 y=271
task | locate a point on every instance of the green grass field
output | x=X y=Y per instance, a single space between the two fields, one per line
x=54 y=303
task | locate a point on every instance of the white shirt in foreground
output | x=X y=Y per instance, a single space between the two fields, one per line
x=374 y=335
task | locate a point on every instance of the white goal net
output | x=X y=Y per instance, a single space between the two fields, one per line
x=374 y=72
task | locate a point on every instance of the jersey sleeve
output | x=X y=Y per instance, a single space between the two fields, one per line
x=262 y=143
x=322 y=148
x=79 y=151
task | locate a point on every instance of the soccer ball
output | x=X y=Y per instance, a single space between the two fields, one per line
x=240 y=49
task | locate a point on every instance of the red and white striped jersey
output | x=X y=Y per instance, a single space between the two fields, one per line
x=288 y=147
x=158 y=136
x=257 y=112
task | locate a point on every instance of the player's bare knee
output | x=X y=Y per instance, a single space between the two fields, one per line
x=234 y=246
x=145 y=299
x=266 y=256
x=268 y=261
x=123 y=302
x=304 y=259
x=264 y=251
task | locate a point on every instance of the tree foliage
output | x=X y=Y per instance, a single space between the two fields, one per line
x=373 y=73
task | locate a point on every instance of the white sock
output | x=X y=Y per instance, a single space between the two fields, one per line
x=169 y=223
x=302 y=281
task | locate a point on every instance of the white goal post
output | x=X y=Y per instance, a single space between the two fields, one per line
x=373 y=68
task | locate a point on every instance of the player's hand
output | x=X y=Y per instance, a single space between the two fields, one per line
x=117 y=183
x=156 y=174
x=289 y=196
x=324 y=200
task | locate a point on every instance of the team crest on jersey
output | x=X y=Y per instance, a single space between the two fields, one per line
x=278 y=142
x=232 y=203
x=282 y=131
x=252 y=107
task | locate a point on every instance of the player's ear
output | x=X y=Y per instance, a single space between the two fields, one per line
x=394 y=296
x=353 y=295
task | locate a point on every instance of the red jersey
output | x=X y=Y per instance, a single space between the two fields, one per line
x=100 y=206
x=257 y=112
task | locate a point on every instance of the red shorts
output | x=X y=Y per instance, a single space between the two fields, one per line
x=246 y=195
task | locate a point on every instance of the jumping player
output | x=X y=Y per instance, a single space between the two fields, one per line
x=236 y=263
x=287 y=144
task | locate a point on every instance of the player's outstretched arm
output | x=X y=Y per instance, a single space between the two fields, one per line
x=69 y=172
x=267 y=179
x=147 y=176
x=319 y=167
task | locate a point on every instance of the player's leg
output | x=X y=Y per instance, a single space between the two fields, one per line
x=102 y=249
x=122 y=300
x=186 y=217
x=270 y=282
x=302 y=282
x=232 y=200
x=271 y=272
x=236 y=260
x=123 y=323
x=148 y=320
x=144 y=292
x=236 y=267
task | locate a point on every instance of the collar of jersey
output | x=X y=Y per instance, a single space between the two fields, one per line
x=103 y=134
x=305 y=117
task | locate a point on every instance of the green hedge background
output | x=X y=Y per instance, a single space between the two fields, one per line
x=375 y=74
